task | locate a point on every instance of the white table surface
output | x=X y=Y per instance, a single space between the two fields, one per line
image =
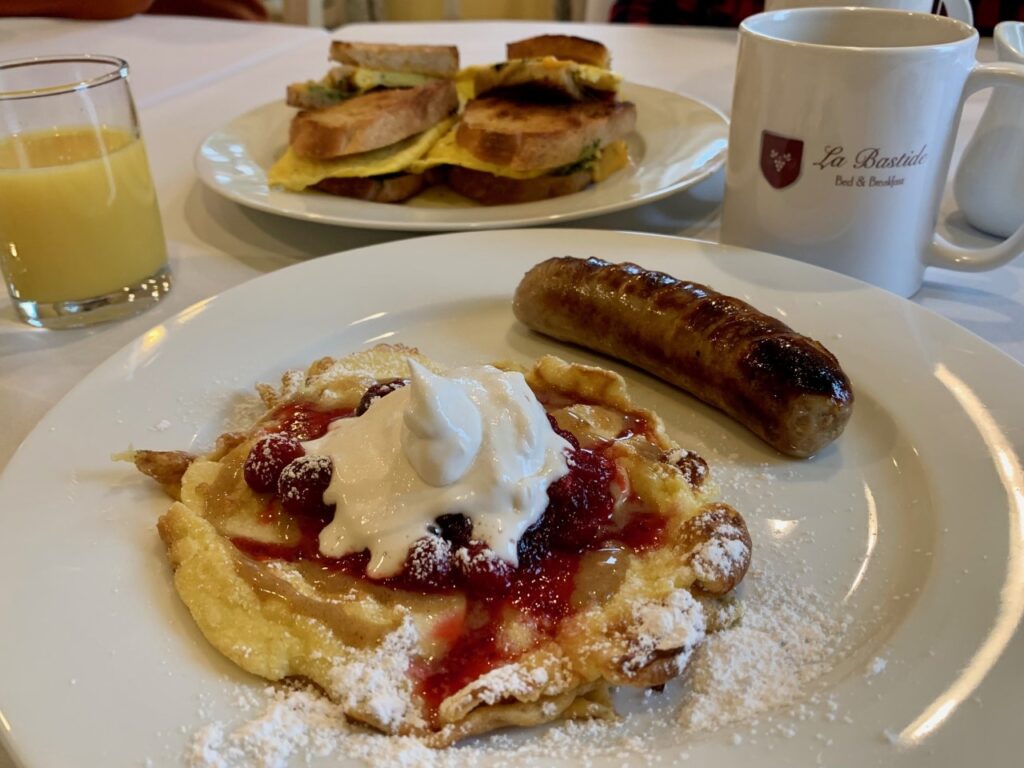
x=190 y=76
x=168 y=55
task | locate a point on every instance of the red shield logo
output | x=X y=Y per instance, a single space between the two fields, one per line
x=780 y=159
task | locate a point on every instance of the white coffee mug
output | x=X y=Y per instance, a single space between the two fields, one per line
x=956 y=9
x=843 y=122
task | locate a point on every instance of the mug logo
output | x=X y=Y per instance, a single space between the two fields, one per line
x=780 y=159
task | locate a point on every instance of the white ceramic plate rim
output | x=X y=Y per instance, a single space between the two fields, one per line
x=82 y=609
x=242 y=178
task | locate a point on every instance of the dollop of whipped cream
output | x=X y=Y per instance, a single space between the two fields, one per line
x=474 y=441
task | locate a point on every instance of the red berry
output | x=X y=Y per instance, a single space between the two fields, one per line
x=377 y=391
x=429 y=563
x=481 y=570
x=581 y=504
x=302 y=485
x=535 y=545
x=268 y=457
x=455 y=528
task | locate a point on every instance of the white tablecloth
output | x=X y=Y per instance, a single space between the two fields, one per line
x=191 y=76
x=168 y=55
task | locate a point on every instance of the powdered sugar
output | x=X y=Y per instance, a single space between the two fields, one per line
x=786 y=639
x=479 y=559
x=376 y=682
x=505 y=682
x=429 y=556
x=676 y=623
x=876 y=666
x=298 y=725
x=301 y=721
x=291 y=722
x=719 y=555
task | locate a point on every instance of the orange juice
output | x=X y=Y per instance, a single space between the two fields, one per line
x=78 y=214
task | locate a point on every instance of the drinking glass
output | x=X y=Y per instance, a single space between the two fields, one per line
x=81 y=239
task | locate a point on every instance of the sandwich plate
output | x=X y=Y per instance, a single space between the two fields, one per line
x=911 y=525
x=677 y=143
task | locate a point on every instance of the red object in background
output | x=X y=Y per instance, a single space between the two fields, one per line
x=712 y=13
x=988 y=13
x=249 y=10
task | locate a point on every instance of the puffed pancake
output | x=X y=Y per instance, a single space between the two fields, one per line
x=617 y=583
x=784 y=387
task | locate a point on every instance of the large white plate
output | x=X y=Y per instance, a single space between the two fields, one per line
x=677 y=143
x=918 y=510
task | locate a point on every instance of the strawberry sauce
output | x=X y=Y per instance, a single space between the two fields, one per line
x=304 y=421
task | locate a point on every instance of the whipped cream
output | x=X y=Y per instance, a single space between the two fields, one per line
x=475 y=441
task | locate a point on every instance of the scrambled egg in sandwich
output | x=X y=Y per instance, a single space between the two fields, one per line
x=297 y=173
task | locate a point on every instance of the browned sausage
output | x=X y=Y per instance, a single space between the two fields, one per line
x=784 y=387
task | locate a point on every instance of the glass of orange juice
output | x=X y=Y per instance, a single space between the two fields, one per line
x=81 y=239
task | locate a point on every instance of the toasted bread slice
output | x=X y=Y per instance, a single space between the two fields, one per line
x=371 y=121
x=561 y=47
x=492 y=189
x=333 y=88
x=386 y=189
x=344 y=81
x=524 y=136
x=314 y=95
x=489 y=189
x=568 y=79
x=434 y=60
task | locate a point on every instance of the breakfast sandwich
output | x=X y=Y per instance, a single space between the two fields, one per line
x=547 y=122
x=361 y=127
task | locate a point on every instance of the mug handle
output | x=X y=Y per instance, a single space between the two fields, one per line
x=943 y=253
x=960 y=10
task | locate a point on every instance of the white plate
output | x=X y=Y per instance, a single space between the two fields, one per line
x=677 y=143
x=918 y=510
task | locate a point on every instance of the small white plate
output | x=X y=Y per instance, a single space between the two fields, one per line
x=677 y=143
x=912 y=523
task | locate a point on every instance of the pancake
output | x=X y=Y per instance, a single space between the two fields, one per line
x=629 y=569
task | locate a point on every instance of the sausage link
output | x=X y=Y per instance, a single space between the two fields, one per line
x=786 y=388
